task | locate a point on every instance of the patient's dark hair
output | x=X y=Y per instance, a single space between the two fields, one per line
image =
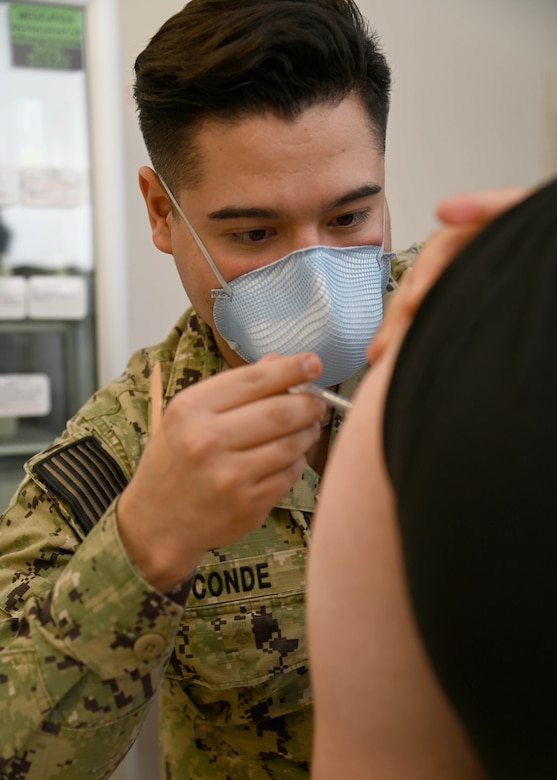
x=232 y=59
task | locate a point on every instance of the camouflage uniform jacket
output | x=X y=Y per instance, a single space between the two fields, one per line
x=85 y=641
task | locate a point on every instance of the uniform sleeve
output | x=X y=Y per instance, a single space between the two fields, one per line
x=84 y=642
x=402 y=262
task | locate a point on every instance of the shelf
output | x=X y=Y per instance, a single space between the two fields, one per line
x=28 y=439
x=25 y=449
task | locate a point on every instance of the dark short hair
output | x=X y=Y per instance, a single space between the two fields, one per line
x=231 y=59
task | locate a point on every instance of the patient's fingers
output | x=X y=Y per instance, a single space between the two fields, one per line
x=464 y=216
x=432 y=261
x=479 y=206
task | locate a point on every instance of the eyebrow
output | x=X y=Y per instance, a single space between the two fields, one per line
x=253 y=212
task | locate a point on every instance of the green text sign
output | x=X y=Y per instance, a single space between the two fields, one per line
x=45 y=36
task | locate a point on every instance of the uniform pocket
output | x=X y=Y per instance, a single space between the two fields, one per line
x=243 y=643
x=239 y=672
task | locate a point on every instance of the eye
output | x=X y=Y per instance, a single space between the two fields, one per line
x=352 y=219
x=255 y=236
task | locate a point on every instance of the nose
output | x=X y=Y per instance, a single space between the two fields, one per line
x=304 y=237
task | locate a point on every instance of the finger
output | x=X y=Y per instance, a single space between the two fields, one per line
x=268 y=420
x=246 y=384
x=276 y=485
x=468 y=213
x=206 y=437
x=260 y=498
x=269 y=356
x=480 y=206
x=237 y=473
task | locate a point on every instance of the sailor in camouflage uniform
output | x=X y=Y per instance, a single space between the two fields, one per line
x=103 y=602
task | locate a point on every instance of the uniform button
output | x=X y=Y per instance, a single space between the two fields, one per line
x=149 y=647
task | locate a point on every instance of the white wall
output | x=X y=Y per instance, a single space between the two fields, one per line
x=467 y=105
x=156 y=296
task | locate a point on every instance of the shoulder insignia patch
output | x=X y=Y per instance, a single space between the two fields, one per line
x=85 y=476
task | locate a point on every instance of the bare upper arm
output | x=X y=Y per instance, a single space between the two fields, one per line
x=378 y=706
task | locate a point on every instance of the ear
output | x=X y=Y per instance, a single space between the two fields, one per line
x=158 y=208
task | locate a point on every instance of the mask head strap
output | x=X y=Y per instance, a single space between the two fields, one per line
x=225 y=286
x=226 y=289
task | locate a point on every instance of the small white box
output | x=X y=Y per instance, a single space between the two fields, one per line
x=54 y=187
x=57 y=297
x=25 y=395
x=13 y=297
x=9 y=185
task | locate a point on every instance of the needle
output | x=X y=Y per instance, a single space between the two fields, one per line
x=331 y=399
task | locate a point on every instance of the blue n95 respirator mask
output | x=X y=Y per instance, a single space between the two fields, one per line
x=327 y=300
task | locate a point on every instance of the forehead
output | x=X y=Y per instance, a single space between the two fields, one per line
x=327 y=145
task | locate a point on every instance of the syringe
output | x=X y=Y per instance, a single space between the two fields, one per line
x=335 y=400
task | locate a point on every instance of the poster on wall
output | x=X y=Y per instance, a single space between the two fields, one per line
x=53 y=187
x=9 y=185
x=46 y=37
x=45 y=163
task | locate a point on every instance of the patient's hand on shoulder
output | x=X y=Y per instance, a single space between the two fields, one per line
x=463 y=217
